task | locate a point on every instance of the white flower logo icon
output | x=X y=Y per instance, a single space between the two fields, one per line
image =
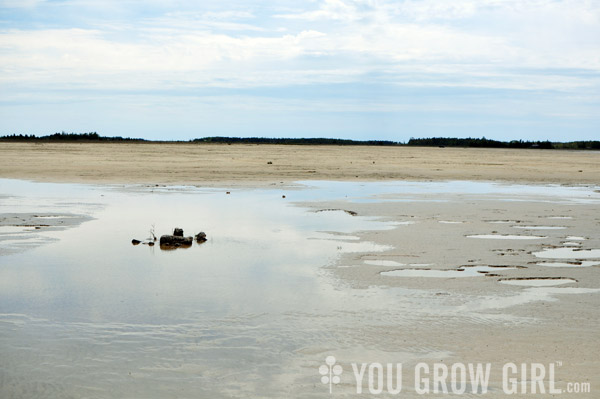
x=330 y=372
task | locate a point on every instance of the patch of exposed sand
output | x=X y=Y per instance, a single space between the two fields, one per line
x=243 y=164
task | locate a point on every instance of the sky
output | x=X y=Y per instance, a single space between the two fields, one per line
x=357 y=69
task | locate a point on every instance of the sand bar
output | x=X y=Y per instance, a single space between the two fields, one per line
x=241 y=164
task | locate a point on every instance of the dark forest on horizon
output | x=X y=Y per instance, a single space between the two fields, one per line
x=422 y=142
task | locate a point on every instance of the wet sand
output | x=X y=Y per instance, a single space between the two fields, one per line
x=20 y=231
x=487 y=321
x=239 y=164
x=433 y=238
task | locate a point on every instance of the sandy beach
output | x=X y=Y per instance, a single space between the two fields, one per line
x=335 y=199
x=215 y=164
x=449 y=275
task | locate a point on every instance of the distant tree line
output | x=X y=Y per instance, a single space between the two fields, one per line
x=423 y=142
x=483 y=142
x=295 y=141
x=65 y=137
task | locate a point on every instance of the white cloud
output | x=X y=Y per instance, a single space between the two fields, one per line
x=329 y=9
x=228 y=15
x=20 y=3
x=416 y=42
x=76 y=57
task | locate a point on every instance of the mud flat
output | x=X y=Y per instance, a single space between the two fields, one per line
x=493 y=264
x=364 y=271
x=31 y=213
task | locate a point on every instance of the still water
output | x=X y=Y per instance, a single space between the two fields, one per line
x=89 y=314
x=250 y=313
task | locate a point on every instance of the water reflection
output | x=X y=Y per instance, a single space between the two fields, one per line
x=108 y=318
x=251 y=310
x=259 y=257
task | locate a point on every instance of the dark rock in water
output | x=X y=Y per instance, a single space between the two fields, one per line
x=178 y=232
x=200 y=237
x=151 y=243
x=175 y=241
x=135 y=242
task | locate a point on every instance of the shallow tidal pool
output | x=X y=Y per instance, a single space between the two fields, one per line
x=84 y=313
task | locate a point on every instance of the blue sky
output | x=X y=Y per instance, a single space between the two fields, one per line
x=360 y=69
